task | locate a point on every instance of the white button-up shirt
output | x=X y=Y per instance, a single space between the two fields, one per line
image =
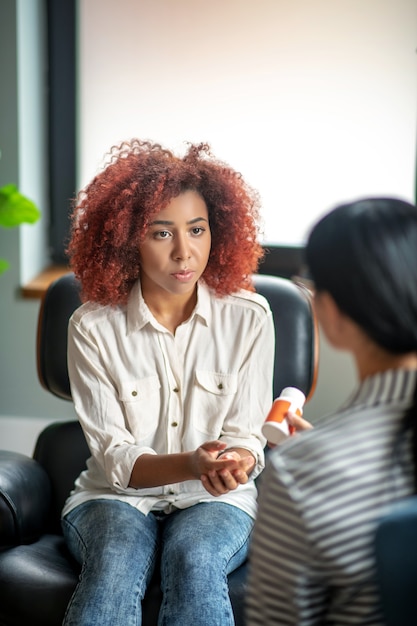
x=139 y=389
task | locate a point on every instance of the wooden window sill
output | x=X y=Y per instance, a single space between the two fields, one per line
x=36 y=287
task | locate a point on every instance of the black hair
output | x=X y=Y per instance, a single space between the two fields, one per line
x=364 y=254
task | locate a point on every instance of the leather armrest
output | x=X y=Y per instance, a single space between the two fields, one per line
x=25 y=498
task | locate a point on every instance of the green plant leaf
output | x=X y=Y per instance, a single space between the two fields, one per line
x=15 y=208
x=4 y=265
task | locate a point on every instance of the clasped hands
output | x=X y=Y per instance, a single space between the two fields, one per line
x=221 y=473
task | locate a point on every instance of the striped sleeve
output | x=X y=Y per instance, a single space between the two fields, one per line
x=284 y=587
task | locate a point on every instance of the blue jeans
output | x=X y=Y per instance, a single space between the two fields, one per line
x=119 y=547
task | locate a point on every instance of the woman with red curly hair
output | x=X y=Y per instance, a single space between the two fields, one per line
x=170 y=362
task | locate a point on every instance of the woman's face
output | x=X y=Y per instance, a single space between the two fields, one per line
x=176 y=248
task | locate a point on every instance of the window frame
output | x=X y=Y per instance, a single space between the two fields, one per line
x=62 y=140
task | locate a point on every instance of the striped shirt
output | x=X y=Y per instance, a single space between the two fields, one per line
x=321 y=496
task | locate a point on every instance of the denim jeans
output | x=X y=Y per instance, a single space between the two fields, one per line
x=118 y=548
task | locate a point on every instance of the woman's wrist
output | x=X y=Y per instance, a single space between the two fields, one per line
x=226 y=451
x=242 y=455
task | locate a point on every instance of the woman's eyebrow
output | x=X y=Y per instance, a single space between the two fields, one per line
x=169 y=223
x=197 y=219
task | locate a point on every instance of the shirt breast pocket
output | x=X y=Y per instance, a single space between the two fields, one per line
x=141 y=400
x=214 y=394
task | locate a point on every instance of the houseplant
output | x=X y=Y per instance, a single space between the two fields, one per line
x=15 y=209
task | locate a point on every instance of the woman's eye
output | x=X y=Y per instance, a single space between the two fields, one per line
x=198 y=230
x=162 y=234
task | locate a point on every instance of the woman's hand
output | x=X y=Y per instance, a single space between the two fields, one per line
x=221 y=473
x=297 y=424
x=218 y=472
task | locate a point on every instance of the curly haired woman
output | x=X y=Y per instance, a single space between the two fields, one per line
x=164 y=361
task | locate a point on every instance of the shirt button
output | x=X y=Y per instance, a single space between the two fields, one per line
x=134 y=393
x=175 y=390
x=220 y=386
x=174 y=424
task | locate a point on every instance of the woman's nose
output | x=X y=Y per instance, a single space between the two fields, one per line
x=182 y=248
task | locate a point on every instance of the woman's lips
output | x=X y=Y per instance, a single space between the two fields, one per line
x=183 y=276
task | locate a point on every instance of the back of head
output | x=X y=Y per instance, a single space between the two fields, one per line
x=365 y=255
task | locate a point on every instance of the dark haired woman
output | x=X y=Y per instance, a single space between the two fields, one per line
x=323 y=492
x=164 y=362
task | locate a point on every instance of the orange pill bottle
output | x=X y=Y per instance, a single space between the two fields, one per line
x=275 y=428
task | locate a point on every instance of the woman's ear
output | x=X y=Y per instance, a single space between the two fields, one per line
x=334 y=323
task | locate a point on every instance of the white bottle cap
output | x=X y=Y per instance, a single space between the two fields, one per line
x=295 y=395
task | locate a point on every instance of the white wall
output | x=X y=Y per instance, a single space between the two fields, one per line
x=314 y=101
x=32 y=119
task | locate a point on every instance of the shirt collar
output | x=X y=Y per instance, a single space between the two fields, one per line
x=138 y=313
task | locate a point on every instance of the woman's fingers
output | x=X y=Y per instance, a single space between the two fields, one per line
x=298 y=423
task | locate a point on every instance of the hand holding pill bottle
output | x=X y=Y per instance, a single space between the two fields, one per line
x=275 y=427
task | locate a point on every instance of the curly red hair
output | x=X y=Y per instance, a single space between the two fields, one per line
x=111 y=216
